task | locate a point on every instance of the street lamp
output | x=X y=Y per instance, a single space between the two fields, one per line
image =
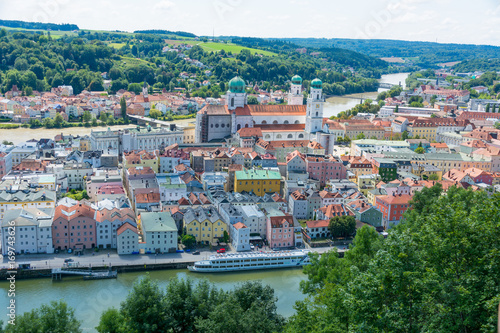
x=155 y=257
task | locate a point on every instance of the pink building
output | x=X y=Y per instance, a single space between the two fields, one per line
x=324 y=169
x=280 y=231
x=74 y=227
x=480 y=176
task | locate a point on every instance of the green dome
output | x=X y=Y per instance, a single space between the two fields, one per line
x=237 y=85
x=316 y=84
x=296 y=79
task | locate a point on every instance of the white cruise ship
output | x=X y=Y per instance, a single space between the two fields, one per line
x=248 y=261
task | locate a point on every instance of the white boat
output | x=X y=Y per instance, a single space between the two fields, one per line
x=249 y=261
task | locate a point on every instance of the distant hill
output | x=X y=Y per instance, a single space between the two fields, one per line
x=38 y=25
x=339 y=55
x=166 y=32
x=425 y=53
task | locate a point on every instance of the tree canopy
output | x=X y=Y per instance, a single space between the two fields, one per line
x=186 y=307
x=436 y=272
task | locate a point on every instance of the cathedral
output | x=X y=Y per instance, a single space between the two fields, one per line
x=294 y=121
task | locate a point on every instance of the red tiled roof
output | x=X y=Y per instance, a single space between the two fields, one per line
x=126 y=226
x=318 y=224
x=147 y=197
x=239 y=225
x=395 y=199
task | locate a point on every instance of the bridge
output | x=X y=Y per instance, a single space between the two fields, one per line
x=385 y=85
x=58 y=273
x=141 y=120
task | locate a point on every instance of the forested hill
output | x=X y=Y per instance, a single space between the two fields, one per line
x=166 y=32
x=38 y=25
x=337 y=55
x=485 y=65
x=38 y=62
x=426 y=53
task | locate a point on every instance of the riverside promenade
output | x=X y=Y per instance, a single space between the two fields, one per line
x=109 y=258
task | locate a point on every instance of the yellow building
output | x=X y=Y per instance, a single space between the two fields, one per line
x=84 y=145
x=140 y=158
x=423 y=128
x=259 y=182
x=425 y=170
x=205 y=224
x=22 y=198
x=368 y=182
x=189 y=133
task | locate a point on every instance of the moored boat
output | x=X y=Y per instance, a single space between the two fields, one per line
x=251 y=261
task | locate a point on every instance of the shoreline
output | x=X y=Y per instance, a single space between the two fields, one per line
x=137 y=264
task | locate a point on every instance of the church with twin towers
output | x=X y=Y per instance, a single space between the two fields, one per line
x=277 y=124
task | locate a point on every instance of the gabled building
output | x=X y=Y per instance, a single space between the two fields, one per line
x=205 y=224
x=127 y=239
x=74 y=227
x=393 y=207
x=159 y=233
x=31 y=229
x=366 y=213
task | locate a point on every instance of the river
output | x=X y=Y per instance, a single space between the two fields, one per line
x=333 y=106
x=91 y=298
x=18 y=135
x=336 y=104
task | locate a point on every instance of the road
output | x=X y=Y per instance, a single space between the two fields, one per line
x=111 y=258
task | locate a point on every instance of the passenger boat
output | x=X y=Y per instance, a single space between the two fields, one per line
x=250 y=261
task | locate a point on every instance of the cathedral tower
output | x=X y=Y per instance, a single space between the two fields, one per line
x=315 y=101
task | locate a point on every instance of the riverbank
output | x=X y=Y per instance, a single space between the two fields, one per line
x=42 y=264
x=18 y=135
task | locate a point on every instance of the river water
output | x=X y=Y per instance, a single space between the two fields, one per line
x=91 y=298
x=333 y=106
x=336 y=104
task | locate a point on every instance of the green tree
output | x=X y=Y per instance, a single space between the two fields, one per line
x=396 y=109
x=342 y=226
x=123 y=107
x=87 y=116
x=256 y=306
x=185 y=304
x=225 y=239
x=153 y=113
x=405 y=135
x=433 y=177
x=437 y=271
x=136 y=88
x=360 y=136
x=420 y=149
x=103 y=117
x=144 y=309
x=56 y=317
x=188 y=241
x=252 y=100
x=58 y=120
x=111 y=321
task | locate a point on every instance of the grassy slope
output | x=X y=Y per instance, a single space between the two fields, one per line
x=216 y=47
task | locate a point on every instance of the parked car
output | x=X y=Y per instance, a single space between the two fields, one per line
x=252 y=247
x=196 y=252
x=179 y=251
x=68 y=260
x=223 y=250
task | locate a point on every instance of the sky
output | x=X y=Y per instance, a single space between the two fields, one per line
x=445 y=21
